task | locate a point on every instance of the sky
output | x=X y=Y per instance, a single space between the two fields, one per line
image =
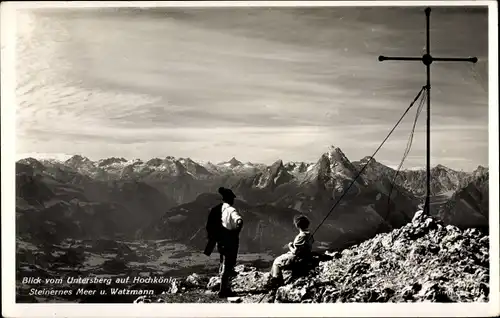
x=258 y=84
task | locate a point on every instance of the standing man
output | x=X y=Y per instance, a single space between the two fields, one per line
x=229 y=239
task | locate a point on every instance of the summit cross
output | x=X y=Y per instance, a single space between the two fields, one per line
x=427 y=59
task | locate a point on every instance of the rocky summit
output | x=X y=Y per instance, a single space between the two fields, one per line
x=423 y=261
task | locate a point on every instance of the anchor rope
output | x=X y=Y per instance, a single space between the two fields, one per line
x=407 y=150
x=366 y=164
x=370 y=159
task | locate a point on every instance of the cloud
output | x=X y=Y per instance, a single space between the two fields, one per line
x=257 y=83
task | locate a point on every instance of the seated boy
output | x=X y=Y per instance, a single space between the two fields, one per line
x=300 y=249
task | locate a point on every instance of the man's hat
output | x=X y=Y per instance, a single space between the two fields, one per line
x=226 y=193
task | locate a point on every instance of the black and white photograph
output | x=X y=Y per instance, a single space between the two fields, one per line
x=250 y=154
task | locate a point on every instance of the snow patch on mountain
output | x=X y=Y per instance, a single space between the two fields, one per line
x=298 y=169
x=57 y=157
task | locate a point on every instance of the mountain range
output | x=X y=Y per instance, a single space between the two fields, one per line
x=170 y=198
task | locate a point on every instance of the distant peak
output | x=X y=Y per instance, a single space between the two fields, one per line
x=111 y=160
x=30 y=161
x=78 y=158
x=234 y=162
x=481 y=170
x=116 y=159
x=187 y=161
x=335 y=154
x=332 y=148
x=154 y=162
x=278 y=164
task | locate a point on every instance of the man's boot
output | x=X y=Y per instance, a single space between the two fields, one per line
x=225 y=289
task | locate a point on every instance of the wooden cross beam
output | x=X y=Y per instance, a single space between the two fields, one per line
x=427 y=59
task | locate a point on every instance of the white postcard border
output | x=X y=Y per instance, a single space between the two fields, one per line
x=11 y=309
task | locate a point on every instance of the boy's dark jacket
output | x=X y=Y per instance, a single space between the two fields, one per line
x=214 y=228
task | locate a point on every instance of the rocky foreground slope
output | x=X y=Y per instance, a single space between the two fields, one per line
x=422 y=261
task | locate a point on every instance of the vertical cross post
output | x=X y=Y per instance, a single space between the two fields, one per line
x=427 y=59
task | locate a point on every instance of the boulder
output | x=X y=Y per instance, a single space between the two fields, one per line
x=195 y=280
x=214 y=283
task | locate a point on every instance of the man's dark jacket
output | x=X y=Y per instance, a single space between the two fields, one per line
x=214 y=228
